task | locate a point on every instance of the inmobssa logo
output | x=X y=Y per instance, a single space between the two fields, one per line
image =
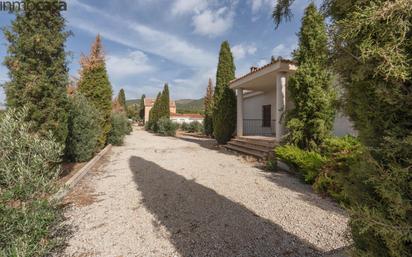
x=15 y=6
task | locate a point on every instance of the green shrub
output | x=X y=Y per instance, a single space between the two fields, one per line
x=84 y=130
x=342 y=153
x=193 y=127
x=119 y=129
x=184 y=126
x=29 y=166
x=208 y=125
x=166 y=127
x=307 y=163
x=129 y=128
x=152 y=126
x=326 y=170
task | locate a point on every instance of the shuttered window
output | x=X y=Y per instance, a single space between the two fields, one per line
x=266 y=115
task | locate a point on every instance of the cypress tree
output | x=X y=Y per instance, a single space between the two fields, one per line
x=94 y=84
x=141 y=108
x=208 y=102
x=311 y=121
x=224 y=111
x=38 y=70
x=122 y=100
x=164 y=104
x=154 y=112
x=373 y=56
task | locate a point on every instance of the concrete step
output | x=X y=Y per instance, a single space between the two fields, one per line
x=247 y=151
x=262 y=143
x=248 y=145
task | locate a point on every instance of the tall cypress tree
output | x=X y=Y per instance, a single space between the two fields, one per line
x=208 y=102
x=311 y=121
x=37 y=68
x=122 y=100
x=373 y=56
x=224 y=110
x=141 y=108
x=154 y=112
x=94 y=84
x=164 y=104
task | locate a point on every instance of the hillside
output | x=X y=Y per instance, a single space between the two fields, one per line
x=132 y=101
x=182 y=105
x=190 y=105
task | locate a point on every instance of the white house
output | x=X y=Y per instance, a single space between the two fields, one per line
x=186 y=118
x=262 y=99
x=262 y=102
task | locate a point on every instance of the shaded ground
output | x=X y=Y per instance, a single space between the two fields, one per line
x=160 y=196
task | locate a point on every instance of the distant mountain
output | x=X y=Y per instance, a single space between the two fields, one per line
x=132 y=101
x=190 y=105
x=182 y=105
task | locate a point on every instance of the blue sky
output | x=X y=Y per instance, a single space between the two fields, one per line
x=150 y=42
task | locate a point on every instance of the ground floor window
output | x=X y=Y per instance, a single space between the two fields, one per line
x=266 y=115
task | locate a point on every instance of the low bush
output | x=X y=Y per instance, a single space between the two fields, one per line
x=184 y=126
x=327 y=169
x=151 y=126
x=192 y=127
x=166 y=127
x=342 y=153
x=208 y=125
x=84 y=130
x=129 y=127
x=29 y=166
x=307 y=163
x=120 y=128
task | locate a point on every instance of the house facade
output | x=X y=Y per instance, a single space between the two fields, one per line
x=263 y=100
x=148 y=105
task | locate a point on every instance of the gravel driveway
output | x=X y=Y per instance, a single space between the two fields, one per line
x=162 y=196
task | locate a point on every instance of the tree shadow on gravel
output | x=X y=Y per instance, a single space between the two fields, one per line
x=282 y=179
x=204 y=223
x=306 y=193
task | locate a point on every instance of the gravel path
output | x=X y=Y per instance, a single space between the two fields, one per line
x=162 y=196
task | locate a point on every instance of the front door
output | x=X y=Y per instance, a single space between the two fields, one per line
x=266 y=115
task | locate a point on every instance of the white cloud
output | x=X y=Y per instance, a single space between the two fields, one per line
x=138 y=36
x=213 y=22
x=188 y=6
x=134 y=63
x=193 y=86
x=262 y=62
x=257 y=5
x=240 y=51
x=283 y=50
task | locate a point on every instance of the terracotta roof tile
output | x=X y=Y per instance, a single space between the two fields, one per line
x=256 y=69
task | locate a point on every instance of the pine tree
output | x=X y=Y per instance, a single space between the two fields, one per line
x=373 y=57
x=122 y=100
x=311 y=121
x=141 y=108
x=38 y=68
x=224 y=111
x=94 y=84
x=208 y=102
x=164 y=104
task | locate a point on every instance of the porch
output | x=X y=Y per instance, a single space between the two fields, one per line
x=262 y=99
